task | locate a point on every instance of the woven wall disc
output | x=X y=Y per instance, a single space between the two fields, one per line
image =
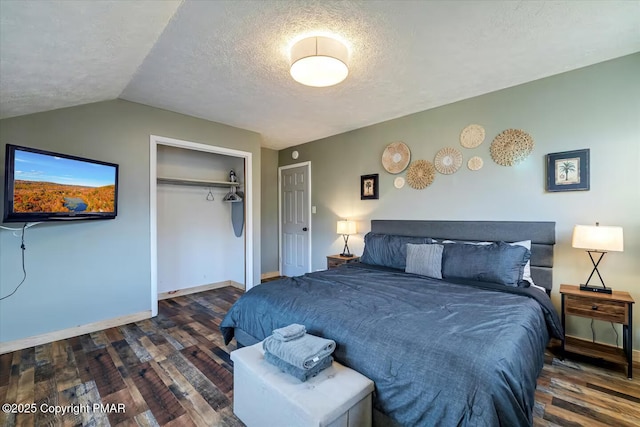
x=396 y=157
x=511 y=147
x=475 y=163
x=420 y=174
x=472 y=136
x=398 y=182
x=448 y=160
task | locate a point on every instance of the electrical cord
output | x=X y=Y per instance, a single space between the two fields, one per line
x=27 y=225
x=593 y=333
x=24 y=271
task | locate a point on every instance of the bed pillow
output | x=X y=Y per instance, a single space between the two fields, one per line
x=496 y=262
x=526 y=275
x=388 y=250
x=425 y=260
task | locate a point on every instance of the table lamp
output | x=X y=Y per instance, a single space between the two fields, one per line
x=346 y=228
x=597 y=240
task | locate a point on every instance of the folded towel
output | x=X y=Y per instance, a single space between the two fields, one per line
x=301 y=374
x=304 y=352
x=290 y=332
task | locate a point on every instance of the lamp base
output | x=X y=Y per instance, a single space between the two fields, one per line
x=346 y=255
x=598 y=289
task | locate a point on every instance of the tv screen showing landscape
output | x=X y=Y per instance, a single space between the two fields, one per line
x=52 y=186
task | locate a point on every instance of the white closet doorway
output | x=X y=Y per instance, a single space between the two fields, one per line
x=195 y=244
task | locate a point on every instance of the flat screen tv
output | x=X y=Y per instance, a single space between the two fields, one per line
x=45 y=186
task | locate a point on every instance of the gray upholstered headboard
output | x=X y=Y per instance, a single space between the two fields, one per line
x=541 y=234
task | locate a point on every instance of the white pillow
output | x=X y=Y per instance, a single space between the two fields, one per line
x=526 y=273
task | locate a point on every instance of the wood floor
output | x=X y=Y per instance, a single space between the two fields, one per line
x=174 y=370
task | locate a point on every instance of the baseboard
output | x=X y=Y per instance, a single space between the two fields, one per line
x=269 y=275
x=236 y=284
x=635 y=353
x=196 y=289
x=9 y=346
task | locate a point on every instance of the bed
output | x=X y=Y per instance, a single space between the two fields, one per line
x=451 y=351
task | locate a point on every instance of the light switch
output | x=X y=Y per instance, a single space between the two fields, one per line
x=313 y=209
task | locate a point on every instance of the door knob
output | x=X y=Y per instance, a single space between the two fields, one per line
x=304 y=229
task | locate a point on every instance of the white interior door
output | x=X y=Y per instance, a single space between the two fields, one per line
x=295 y=219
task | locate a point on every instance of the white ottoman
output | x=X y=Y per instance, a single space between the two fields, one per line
x=265 y=396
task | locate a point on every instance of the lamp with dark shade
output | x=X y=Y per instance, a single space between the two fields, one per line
x=346 y=228
x=597 y=240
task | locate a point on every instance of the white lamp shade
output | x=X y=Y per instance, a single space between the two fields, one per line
x=319 y=62
x=598 y=238
x=346 y=227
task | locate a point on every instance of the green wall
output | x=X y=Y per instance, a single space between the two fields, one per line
x=597 y=107
x=84 y=272
x=269 y=217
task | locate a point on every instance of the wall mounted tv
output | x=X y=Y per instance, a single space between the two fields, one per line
x=45 y=186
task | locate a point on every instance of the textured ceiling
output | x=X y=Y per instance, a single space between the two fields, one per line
x=56 y=54
x=227 y=61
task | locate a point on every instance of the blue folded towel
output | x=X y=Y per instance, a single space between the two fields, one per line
x=304 y=352
x=301 y=374
x=290 y=332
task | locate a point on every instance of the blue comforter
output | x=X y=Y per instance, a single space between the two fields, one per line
x=439 y=353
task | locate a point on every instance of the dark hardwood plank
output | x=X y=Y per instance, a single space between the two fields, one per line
x=214 y=396
x=5 y=368
x=218 y=375
x=105 y=373
x=163 y=404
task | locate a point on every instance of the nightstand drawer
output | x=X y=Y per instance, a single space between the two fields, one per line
x=597 y=308
x=332 y=263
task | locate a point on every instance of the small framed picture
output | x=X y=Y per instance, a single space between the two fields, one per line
x=568 y=171
x=369 y=187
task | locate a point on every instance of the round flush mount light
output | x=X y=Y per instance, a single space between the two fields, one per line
x=319 y=61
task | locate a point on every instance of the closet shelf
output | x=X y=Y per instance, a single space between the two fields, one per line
x=196 y=182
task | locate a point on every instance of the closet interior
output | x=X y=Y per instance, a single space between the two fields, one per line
x=200 y=220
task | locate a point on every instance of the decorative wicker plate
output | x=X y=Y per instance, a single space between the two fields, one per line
x=448 y=160
x=398 y=182
x=475 y=163
x=511 y=147
x=420 y=174
x=472 y=136
x=396 y=157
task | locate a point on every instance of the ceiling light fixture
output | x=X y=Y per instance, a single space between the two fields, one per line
x=319 y=61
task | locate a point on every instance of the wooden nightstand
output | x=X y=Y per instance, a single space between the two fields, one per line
x=616 y=307
x=334 y=261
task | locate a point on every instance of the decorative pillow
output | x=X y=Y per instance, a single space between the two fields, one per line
x=425 y=260
x=388 y=250
x=496 y=262
x=526 y=275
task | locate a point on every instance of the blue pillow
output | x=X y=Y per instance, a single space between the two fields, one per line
x=388 y=250
x=497 y=263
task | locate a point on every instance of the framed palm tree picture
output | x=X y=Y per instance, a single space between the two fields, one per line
x=568 y=170
x=369 y=187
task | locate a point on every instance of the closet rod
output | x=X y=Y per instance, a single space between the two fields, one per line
x=196 y=182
